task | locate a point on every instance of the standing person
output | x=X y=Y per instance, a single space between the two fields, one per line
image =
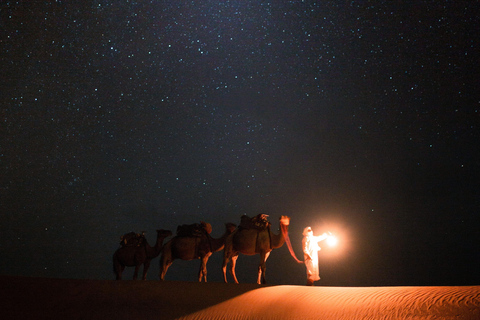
x=310 y=254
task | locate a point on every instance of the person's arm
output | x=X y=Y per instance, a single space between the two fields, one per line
x=322 y=237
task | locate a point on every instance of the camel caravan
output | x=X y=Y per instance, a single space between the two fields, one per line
x=191 y=242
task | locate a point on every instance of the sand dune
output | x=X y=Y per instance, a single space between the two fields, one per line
x=40 y=298
x=295 y=302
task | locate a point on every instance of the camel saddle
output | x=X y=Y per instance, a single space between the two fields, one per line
x=194 y=230
x=132 y=239
x=258 y=222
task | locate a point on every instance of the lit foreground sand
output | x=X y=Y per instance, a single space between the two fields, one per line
x=40 y=298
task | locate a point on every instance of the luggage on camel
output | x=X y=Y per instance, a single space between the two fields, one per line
x=194 y=230
x=132 y=239
x=259 y=222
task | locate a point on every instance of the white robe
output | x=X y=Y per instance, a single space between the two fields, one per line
x=311 y=248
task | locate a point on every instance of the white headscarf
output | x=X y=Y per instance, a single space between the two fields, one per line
x=306 y=231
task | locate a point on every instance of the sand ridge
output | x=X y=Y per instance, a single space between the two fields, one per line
x=43 y=298
x=296 y=302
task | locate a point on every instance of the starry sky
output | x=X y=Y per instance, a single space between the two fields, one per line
x=357 y=117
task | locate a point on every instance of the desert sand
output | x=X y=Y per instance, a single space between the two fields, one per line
x=42 y=298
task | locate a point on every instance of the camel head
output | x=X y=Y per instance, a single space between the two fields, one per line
x=284 y=220
x=230 y=227
x=206 y=226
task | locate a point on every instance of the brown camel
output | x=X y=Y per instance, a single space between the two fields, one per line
x=136 y=255
x=198 y=246
x=251 y=241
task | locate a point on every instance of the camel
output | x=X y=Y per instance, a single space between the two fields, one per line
x=251 y=241
x=136 y=255
x=199 y=246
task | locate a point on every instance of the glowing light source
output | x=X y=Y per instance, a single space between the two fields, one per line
x=332 y=240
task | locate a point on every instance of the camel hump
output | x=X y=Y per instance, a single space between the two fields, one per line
x=259 y=222
x=194 y=230
x=132 y=239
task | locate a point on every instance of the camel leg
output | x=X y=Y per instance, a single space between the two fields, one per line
x=119 y=270
x=262 y=267
x=226 y=259
x=165 y=263
x=227 y=255
x=202 y=273
x=232 y=267
x=117 y=267
x=146 y=265
x=135 y=274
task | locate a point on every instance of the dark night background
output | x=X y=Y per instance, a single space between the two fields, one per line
x=356 y=117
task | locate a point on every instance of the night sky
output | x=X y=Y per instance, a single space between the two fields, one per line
x=357 y=117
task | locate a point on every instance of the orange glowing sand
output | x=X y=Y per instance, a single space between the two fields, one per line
x=40 y=298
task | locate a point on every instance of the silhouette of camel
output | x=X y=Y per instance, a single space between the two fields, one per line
x=251 y=240
x=136 y=255
x=189 y=247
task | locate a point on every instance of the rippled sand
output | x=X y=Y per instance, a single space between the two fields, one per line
x=41 y=298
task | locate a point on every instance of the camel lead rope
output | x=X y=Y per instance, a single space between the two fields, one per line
x=289 y=244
